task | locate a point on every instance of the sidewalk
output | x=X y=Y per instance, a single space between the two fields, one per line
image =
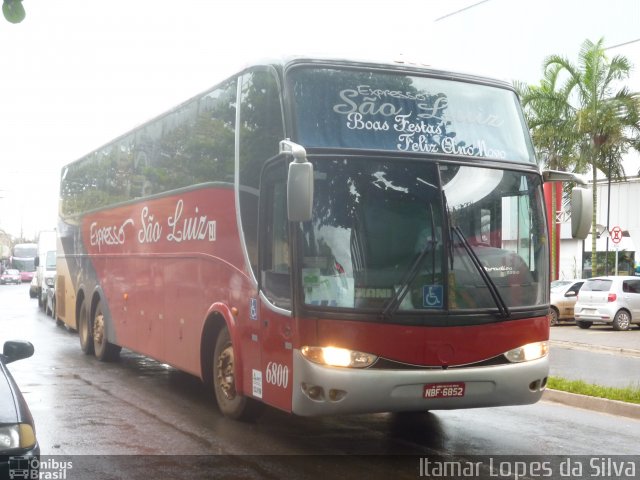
x=604 y=344
x=598 y=338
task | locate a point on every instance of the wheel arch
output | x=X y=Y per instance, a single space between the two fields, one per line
x=218 y=317
x=628 y=312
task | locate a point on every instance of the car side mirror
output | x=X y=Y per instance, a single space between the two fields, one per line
x=16 y=350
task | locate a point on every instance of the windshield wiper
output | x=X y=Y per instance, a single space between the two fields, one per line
x=394 y=302
x=493 y=289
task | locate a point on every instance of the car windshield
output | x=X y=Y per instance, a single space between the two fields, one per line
x=384 y=232
x=51 y=261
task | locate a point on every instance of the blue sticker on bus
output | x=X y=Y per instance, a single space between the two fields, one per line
x=432 y=296
x=253 y=308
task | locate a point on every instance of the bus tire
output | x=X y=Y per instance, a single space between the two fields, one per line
x=85 y=331
x=105 y=350
x=230 y=402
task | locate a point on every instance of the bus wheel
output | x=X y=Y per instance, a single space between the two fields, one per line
x=230 y=402
x=105 y=351
x=84 y=329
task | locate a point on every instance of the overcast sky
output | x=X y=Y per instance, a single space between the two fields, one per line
x=77 y=73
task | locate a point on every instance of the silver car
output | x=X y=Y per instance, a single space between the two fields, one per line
x=614 y=300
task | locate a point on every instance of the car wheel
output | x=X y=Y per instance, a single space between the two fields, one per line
x=583 y=324
x=553 y=317
x=85 y=332
x=105 y=350
x=230 y=402
x=622 y=320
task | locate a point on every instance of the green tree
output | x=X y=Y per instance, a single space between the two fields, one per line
x=602 y=114
x=13 y=11
x=551 y=120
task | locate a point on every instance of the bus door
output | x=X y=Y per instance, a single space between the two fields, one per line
x=276 y=322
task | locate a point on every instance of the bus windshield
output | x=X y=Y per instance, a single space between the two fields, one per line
x=444 y=235
x=400 y=112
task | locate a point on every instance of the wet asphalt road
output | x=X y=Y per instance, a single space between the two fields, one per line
x=120 y=420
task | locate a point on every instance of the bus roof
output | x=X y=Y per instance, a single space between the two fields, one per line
x=283 y=63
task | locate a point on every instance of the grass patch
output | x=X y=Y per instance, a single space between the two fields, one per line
x=628 y=394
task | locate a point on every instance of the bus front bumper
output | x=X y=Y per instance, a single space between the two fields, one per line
x=322 y=390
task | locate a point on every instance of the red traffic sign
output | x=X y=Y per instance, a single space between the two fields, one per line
x=616 y=234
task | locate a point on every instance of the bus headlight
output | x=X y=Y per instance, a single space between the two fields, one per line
x=338 y=357
x=526 y=353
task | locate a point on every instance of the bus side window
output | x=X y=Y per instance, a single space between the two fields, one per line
x=260 y=130
x=275 y=260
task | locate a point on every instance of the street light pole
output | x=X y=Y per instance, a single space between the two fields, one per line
x=606 y=257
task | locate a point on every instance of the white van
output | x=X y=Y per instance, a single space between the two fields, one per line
x=45 y=265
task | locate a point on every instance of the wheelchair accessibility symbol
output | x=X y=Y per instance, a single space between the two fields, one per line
x=432 y=296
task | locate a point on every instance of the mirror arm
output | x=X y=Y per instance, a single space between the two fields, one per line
x=559 y=176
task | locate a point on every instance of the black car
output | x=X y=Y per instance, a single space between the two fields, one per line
x=18 y=444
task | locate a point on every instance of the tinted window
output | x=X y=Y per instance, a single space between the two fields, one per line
x=276 y=265
x=631 y=286
x=575 y=288
x=261 y=129
x=192 y=144
x=400 y=112
x=597 y=285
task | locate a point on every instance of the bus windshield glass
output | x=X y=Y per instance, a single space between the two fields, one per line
x=428 y=237
x=345 y=108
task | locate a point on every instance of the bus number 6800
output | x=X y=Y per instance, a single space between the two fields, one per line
x=277 y=374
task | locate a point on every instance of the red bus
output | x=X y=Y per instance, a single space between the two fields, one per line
x=322 y=236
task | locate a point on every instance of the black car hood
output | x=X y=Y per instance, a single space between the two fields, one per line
x=8 y=397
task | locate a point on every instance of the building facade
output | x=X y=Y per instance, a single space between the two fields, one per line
x=617 y=206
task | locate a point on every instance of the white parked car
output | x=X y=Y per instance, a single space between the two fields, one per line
x=564 y=294
x=614 y=300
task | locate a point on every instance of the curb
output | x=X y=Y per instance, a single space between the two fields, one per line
x=602 y=405
x=631 y=352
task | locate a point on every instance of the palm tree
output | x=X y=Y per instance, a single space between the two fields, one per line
x=551 y=120
x=606 y=120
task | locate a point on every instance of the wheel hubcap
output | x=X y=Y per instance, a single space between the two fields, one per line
x=623 y=321
x=98 y=329
x=225 y=378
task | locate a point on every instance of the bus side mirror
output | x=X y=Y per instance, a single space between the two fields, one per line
x=299 y=183
x=581 y=212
